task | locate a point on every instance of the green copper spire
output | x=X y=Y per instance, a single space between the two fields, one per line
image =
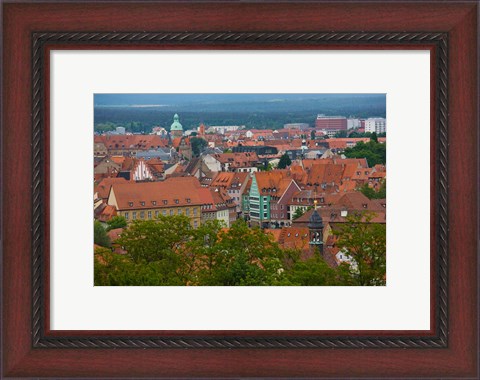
x=176 y=126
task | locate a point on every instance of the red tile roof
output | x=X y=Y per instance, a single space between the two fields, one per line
x=134 y=142
x=103 y=188
x=173 y=192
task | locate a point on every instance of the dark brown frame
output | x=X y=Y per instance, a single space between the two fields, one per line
x=31 y=349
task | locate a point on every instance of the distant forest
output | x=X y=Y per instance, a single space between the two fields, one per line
x=258 y=113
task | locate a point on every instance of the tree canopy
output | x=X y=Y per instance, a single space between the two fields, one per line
x=365 y=243
x=116 y=222
x=372 y=194
x=284 y=161
x=168 y=251
x=198 y=145
x=374 y=152
x=100 y=236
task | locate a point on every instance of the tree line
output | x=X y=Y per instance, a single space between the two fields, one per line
x=168 y=252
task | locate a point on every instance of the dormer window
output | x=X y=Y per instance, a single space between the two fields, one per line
x=188 y=200
x=142 y=203
x=176 y=201
x=130 y=204
x=154 y=203
x=364 y=205
x=165 y=202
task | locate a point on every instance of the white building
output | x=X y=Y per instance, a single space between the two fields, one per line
x=223 y=128
x=353 y=123
x=376 y=124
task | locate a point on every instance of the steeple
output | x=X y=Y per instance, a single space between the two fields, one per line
x=315 y=229
x=176 y=128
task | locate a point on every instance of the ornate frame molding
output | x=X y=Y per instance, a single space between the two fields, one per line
x=41 y=39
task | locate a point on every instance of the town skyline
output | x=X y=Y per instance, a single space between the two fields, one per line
x=182 y=205
x=138 y=113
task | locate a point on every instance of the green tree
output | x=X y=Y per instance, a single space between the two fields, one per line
x=300 y=211
x=365 y=243
x=372 y=194
x=198 y=145
x=374 y=152
x=312 y=135
x=100 y=236
x=311 y=272
x=341 y=134
x=284 y=161
x=116 y=222
x=374 y=137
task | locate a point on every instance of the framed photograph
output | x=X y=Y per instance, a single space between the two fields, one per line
x=237 y=158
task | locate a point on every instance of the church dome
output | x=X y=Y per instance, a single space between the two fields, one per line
x=176 y=126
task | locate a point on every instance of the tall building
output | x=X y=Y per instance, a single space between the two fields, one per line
x=337 y=123
x=353 y=123
x=176 y=129
x=376 y=124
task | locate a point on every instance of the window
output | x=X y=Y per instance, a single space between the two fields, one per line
x=171 y=212
x=142 y=214
x=130 y=204
x=179 y=211
x=264 y=207
x=176 y=201
x=149 y=215
x=264 y=214
x=165 y=201
x=156 y=214
x=134 y=216
x=125 y=215
x=154 y=203
x=188 y=200
x=142 y=203
x=195 y=211
x=164 y=212
x=187 y=212
x=195 y=224
x=281 y=207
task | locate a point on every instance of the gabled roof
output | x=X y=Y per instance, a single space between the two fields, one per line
x=173 y=192
x=135 y=142
x=229 y=180
x=273 y=182
x=237 y=160
x=103 y=188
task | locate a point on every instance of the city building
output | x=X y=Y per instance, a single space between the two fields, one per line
x=223 y=128
x=331 y=124
x=126 y=144
x=148 y=200
x=301 y=126
x=376 y=124
x=353 y=123
x=269 y=195
x=176 y=129
x=234 y=184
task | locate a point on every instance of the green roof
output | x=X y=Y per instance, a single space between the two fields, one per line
x=176 y=126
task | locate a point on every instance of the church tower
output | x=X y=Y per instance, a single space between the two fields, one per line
x=315 y=229
x=176 y=129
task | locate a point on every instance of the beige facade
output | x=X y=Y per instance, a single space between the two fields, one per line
x=193 y=212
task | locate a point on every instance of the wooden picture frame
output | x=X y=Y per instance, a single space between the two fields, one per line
x=448 y=30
